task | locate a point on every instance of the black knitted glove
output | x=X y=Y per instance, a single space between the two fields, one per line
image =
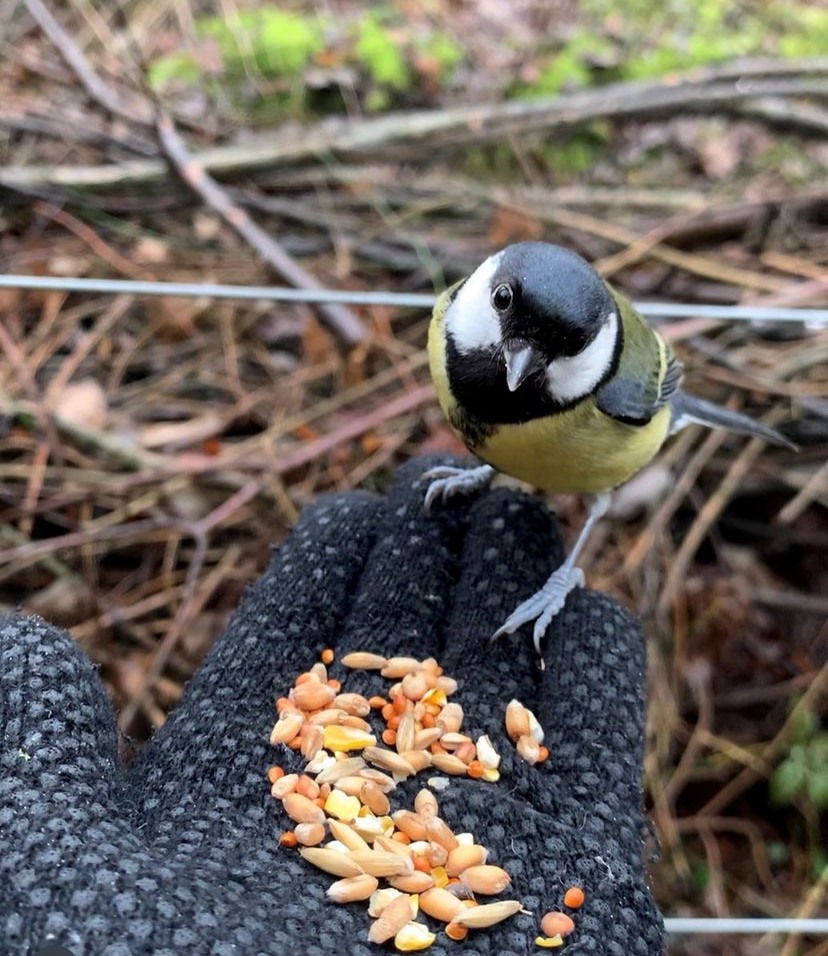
x=180 y=855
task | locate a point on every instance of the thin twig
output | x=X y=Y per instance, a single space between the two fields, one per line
x=339 y=320
x=99 y=90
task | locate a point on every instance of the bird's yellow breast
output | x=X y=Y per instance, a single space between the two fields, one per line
x=580 y=451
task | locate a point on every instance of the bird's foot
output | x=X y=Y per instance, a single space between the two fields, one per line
x=544 y=604
x=446 y=481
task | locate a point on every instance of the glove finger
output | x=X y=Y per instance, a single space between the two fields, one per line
x=60 y=806
x=577 y=819
x=54 y=711
x=589 y=699
x=592 y=706
x=510 y=548
x=406 y=590
x=208 y=761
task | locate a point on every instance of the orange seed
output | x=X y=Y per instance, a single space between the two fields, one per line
x=574 y=897
x=456 y=932
x=327 y=656
x=288 y=839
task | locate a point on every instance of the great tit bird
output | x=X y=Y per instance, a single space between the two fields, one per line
x=550 y=375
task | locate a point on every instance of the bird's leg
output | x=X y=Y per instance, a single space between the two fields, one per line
x=548 y=601
x=447 y=481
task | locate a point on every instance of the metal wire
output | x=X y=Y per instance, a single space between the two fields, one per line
x=811 y=317
x=678 y=925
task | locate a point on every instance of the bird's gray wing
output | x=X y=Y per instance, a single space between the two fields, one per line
x=648 y=373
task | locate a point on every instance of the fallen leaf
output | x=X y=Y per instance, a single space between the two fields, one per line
x=82 y=404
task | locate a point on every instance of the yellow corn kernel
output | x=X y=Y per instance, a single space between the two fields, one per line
x=549 y=942
x=414 y=936
x=435 y=696
x=490 y=775
x=340 y=738
x=342 y=806
x=440 y=876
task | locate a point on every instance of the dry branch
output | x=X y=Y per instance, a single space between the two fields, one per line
x=407 y=135
x=339 y=320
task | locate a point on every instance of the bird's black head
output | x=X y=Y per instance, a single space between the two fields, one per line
x=532 y=330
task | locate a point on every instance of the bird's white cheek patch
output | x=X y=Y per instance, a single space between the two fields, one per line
x=470 y=320
x=577 y=376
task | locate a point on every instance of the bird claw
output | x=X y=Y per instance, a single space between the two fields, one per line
x=446 y=481
x=543 y=605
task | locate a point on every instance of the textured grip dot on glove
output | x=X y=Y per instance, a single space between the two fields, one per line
x=179 y=855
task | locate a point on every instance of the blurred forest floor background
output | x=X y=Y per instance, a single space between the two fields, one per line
x=154 y=449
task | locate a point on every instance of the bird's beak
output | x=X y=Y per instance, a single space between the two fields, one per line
x=521 y=360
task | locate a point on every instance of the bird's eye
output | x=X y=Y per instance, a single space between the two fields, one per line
x=502 y=297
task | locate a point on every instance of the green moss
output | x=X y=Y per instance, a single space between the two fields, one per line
x=280 y=43
x=807 y=34
x=571 y=66
x=802 y=775
x=445 y=52
x=660 y=37
x=180 y=68
x=380 y=54
x=576 y=153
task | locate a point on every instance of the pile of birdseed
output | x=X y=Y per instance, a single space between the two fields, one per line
x=343 y=820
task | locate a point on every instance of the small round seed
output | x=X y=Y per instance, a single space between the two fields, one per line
x=456 y=932
x=574 y=897
x=555 y=923
x=275 y=773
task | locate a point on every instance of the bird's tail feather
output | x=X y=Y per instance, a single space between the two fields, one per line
x=690 y=410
